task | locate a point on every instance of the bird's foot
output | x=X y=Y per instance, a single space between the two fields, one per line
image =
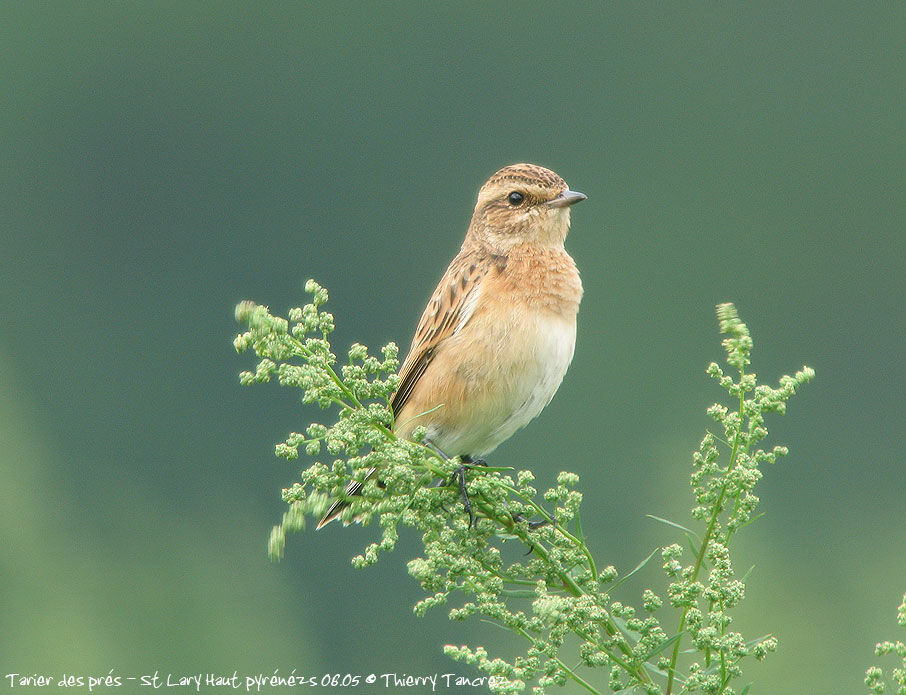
x=535 y=524
x=459 y=475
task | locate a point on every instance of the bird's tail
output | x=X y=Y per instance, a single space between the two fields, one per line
x=338 y=505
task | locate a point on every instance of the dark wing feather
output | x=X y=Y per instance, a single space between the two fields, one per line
x=443 y=315
x=439 y=321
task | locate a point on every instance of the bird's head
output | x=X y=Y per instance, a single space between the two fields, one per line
x=522 y=204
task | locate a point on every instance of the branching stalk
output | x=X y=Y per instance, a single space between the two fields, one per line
x=569 y=596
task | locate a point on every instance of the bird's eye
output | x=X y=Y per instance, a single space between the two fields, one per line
x=515 y=198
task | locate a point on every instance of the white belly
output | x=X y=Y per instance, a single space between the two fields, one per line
x=532 y=357
x=545 y=368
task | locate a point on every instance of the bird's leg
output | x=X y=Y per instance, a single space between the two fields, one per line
x=440 y=452
x=436 y=449
x=443 y=483
x=460 y=475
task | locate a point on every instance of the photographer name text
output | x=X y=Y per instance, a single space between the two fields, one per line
x=254 y=682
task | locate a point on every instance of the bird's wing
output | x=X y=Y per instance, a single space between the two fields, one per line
x=449 y=309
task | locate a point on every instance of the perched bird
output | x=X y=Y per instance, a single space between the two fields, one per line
x=498 y=334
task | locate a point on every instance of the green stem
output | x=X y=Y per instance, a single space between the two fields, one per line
x=308 y=355
x=570 y=585
x=547 y=517
x=712 y=524
x=568 y=582
x=569 y=672
x=723 y=666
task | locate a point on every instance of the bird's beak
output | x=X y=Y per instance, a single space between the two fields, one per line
x=566 y=198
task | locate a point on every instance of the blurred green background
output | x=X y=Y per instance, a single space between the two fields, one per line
x=161 y=162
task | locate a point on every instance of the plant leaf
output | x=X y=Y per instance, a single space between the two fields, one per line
x=662 y=646
x=672 y=523
x=637 y=568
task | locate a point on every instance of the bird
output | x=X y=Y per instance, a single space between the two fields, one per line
x=499 y=332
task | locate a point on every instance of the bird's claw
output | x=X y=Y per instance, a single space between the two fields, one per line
x=535 y=524
x=459 y=476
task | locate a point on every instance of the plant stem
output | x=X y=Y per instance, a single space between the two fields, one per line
x=712 y=524
x=572 y=674
x=570 y=585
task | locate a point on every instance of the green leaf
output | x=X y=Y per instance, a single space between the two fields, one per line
x=637 y=568
x=754 y=518
x=746 y=575
x=692 y=544
x=662 y=646
x=578 y=519
x=518 y=593
x=673 y=524
x=753 y=642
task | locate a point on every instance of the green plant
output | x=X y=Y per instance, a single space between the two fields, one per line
x=680 y=638
x=874 y=676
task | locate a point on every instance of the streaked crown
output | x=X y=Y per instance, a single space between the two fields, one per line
x=530 y=175
x=522 y=203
